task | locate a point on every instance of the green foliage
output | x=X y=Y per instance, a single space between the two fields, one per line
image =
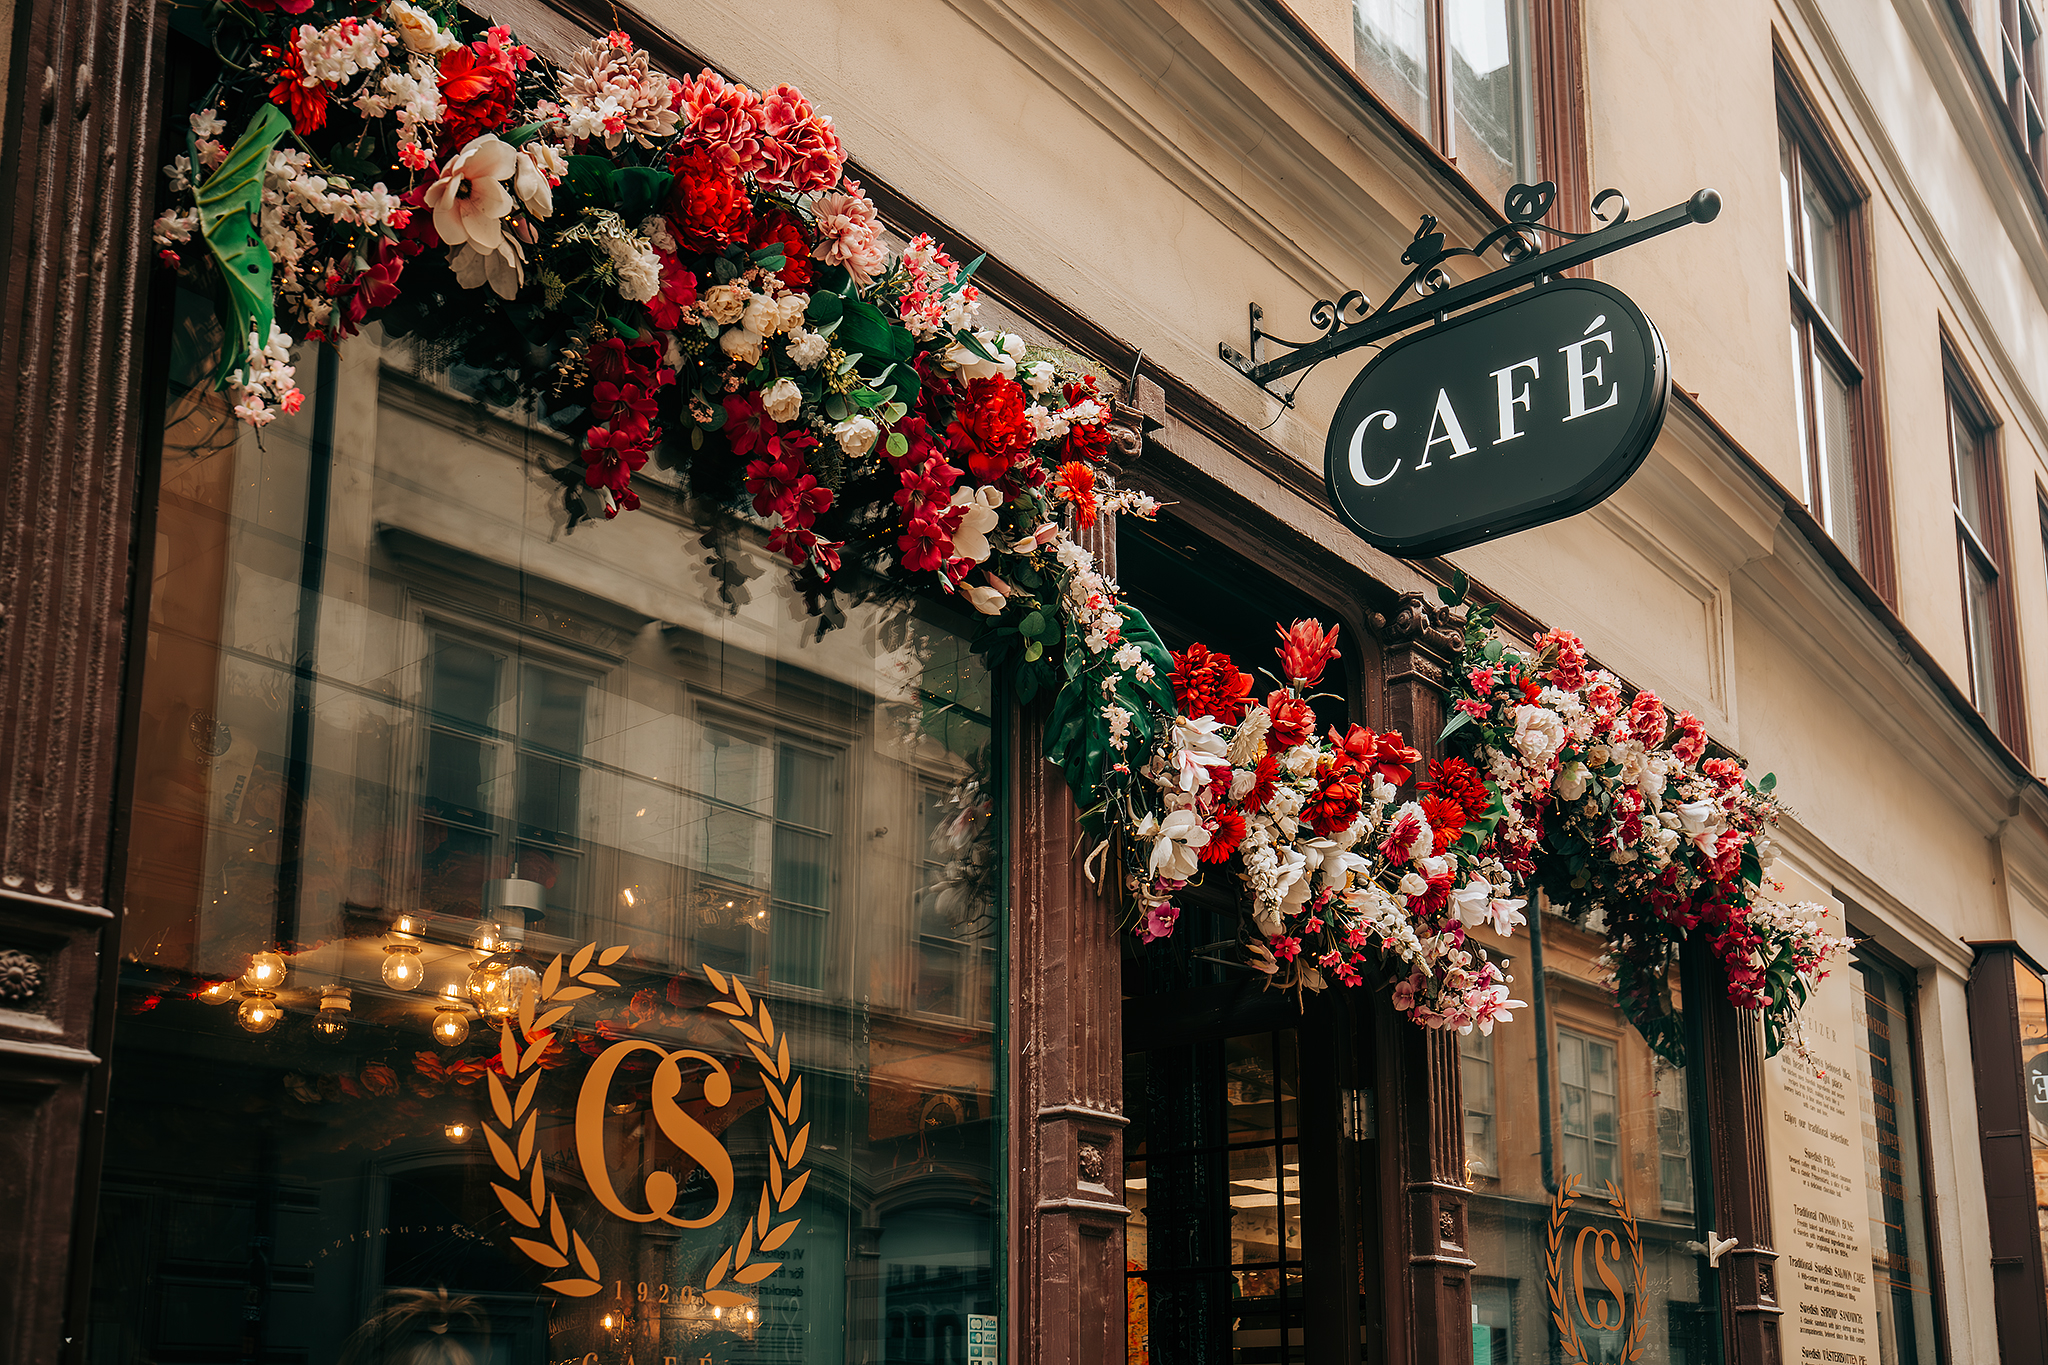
x=640 y=190
x=229 y=202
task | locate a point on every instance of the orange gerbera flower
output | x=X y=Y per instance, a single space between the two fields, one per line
x=1076 y=483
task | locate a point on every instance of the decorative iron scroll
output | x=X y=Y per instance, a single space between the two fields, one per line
x=1350 y=320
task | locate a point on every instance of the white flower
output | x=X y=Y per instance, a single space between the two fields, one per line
x=417 y=28
x=1003 y=353
x=208 y=123
x=530 y=178
x=654 y=228
x=1571 y=781
x=807 y=349
x=782 y=399
x=1037 y=377
x=1538 y=731
x=1696 y=816
x=1175 y=853
x=1120 y=728
x=1127 y=656
x=1251 y=734
x=1412 y=884
x=1472 y=901
x=761 y=315
x=502 y=269
x=470 y=200
x=857 y=435
x=987 y=601
x=789 y=311
x=639 y=268
x=971 y=540
x=741 y=344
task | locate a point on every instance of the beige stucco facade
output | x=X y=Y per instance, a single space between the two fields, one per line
x=1158 y=166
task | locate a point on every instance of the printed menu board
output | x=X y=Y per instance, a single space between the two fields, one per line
x=1820 y=1206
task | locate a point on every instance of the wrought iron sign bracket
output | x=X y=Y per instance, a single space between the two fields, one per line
x=1351 y=321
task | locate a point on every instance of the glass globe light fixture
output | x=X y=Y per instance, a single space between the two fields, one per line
x=451 y=1021
x=458 y=1131
x=259 y=1011
x=265 y=973
x=486 y=988
x=336 y=1005
x=402 y=970
x=521 y=983
x=220 y=992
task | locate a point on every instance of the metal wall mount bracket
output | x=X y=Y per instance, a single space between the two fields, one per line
x=1351 y=321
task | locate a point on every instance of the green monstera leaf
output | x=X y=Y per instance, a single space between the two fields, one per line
x=229 y=202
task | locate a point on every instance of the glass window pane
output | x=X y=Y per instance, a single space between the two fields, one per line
x=1392 y=41
x=1980 y=587
x=1785 y=195
x=1490 y=91
x=1806 y=458
x=675 y=791
x=1822 y=240
x=1966 y=451
x=1841 y=510
x=1902 y=1271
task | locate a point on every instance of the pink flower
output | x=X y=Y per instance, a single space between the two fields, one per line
x=847 y=235
x=1284 y=947
x=1158 y=922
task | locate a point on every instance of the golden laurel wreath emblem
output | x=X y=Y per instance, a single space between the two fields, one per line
x=1628 y=1310
x=514 y=1124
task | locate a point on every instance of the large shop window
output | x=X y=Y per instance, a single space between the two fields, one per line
x=407 y=742
x=2009 y=1043
x=1834 y=404
x=1618 y=1125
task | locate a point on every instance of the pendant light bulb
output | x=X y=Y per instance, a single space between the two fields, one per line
x=220 y=992
x=457 y=1131
x=451 y=1021
x=402 y=970
x=259 y=1012
x=336 y=1005
x=265 y=973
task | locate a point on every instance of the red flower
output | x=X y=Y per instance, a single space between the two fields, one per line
x=1692 y=738
x=1086 y=440
x=722 y=121
x=1445 y=816
x=1294 y=720
x=1206 y=684
x=1569 y=672
x=708 y=208
x=1285 y=948
x=778 y=227
x=1226 y=832
x=625 y=406
x=678 y=291
x=1370 y=753
x=306 y=104
x=1456 y=780
x=478 y=85
x=1076 y=483
x=989 y=427
x=799 y=149
x=1335 y=804
x=611 y=458
x=1305 y=651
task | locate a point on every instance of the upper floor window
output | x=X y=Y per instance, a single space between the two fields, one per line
x=1980 y=557
x=1592 y=1131
x=2020 y=44
x=1463 y=74
x=1475 y=1075
x=1837 y=457
x=1674 y=1140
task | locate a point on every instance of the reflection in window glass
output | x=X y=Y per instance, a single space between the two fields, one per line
x=2033 y=1022
x=1586 y=1087
x=489 y=773
x=1900 y=1267
x=1674 y=1140
x=1490 y=91
x=1475 y=1075
x=1392 y=39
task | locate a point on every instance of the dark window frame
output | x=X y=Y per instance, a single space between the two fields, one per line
x=1850 y=349
x=1989 y=547
x=2019 y=1280
x=2019 y=43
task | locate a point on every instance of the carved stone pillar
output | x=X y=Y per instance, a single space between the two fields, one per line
x=1066 y=1039
x=1732 y=1044
x=81 y=158
x=1425 y=1110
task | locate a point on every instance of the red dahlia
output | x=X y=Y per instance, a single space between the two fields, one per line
x=1226 y=832
x=708 y=208
x=1335 y=804
x=1206 y=684
x=989 y=427
x=1294 y=720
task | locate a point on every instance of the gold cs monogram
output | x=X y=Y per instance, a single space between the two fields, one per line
x=693 y=1138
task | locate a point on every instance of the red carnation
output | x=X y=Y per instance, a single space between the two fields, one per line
x=478 y=86
x=1445 y=816
x=1305 y=651
x=1294 y=720
x=1206 y=684
x=708 y=207
x=989 y=427
x=1456 y=780
x=1076 y=483
x=1263 y=779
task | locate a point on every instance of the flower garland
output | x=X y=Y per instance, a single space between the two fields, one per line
x=682 y=266
x=1611 y=806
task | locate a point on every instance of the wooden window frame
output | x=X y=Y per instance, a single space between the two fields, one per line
x=2018 y=1276
x=1990 y=545
x=1553 y=48
x=1853 y=346
x=2019 y=44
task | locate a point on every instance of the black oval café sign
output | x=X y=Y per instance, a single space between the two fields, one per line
x=1504 y=418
